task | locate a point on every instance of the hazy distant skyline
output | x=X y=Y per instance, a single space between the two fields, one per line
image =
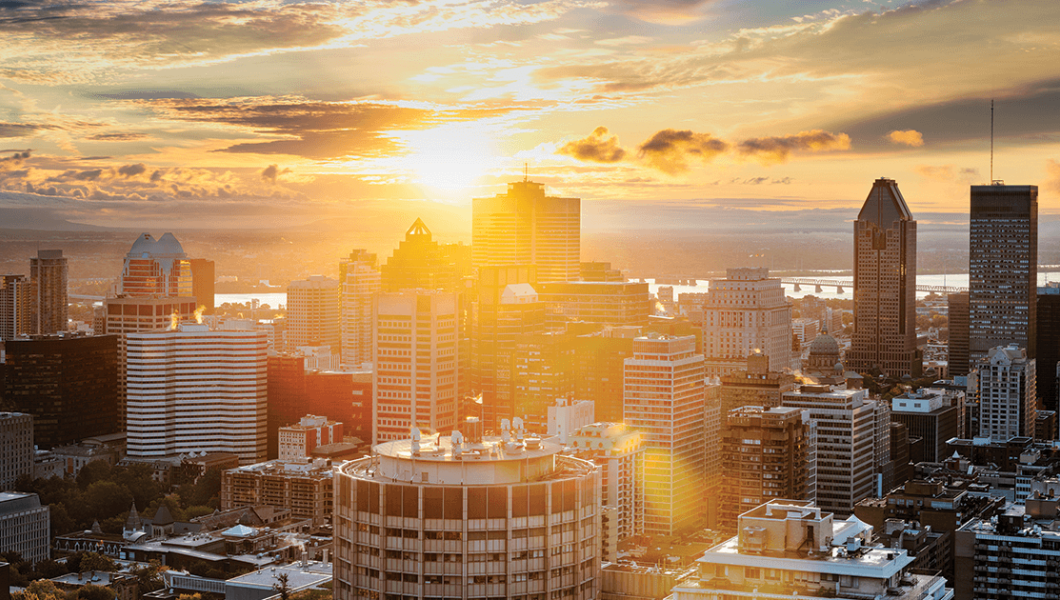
x=266 y=113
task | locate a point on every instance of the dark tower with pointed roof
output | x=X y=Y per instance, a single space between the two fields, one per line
x=885 y=285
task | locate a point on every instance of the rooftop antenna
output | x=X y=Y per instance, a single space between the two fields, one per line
x=526 y=166
x=991 y=140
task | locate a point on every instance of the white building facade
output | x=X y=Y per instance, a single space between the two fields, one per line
x=745 y=312
x=1007 y=394
x=193 y=389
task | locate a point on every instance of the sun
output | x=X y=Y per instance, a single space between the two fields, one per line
x=449 y=158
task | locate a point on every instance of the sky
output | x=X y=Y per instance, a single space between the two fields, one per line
x=671 y=113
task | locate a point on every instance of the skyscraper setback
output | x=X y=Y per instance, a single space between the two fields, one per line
x=1003 y=269
x=885 y=284
x=525 y=227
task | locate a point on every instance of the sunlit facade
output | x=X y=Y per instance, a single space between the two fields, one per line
x=664 y=400
x=744 y=313
x=155 y=269
x=416 y=356
x=359 y=282
x=193 y=389
x=467 y=516
x=49 y=273
x=525 y=227
x=313 y=313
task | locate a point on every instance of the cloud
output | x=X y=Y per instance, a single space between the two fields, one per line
x=666 y=12
x=779 y=148
x=1052 y=173
x=670 y=150
x=271 y=172
x=18 y=130
x=117 y=137
x=949 y=174
x=907 y=137
x=16 y=158
x=132 y=170
x=595 y=148
x=312 y=129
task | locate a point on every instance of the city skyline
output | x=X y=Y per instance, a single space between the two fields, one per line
x=258 y=114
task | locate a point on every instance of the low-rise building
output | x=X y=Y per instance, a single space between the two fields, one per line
x=303 y=487
x=793 y=550
x=24 y=526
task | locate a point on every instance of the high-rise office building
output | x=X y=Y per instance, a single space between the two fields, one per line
x=1048 y=336
x=416 y=363
x=599 y=360
x=957 y=311
x=49 y=273
x=507 y=306
x=933 y=415
x=884 y=285
x=203 y=275
x=313 y=313
x=468 y=516
x=420 y=263
x=664 y=400
x=193 y=389
x=1007 y=394
x=853 y=443
x=745 y=312
x=156 y=269
x=525 y=227
x=767 y=454
x=1003 y=269
x=16 y=439
x=616 y=303
x=359 y=282
x=16 y=306
x=755 y=386
x=542 y=372
x=25 y=526
x=69 y=383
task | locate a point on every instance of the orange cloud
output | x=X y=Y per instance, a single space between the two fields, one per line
x=776 y=149
x=907 y=137
x=595 y=148
x=669 y=150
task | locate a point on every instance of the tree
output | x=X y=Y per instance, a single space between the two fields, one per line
x=95 y=592
x=104 y=499
x=281 y=586
x=92 y=561
x=39 y=590
x=149 y=578
x=97 y=470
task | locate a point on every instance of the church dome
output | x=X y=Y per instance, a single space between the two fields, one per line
x=824 y=345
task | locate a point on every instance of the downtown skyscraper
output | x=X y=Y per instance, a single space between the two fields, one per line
x=526 y=227
x=885 y=284
x=49 y=273
x=1003 y=269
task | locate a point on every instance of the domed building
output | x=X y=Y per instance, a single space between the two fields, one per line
x=824 y=363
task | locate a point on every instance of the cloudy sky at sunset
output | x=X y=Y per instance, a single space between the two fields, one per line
x=264 y=113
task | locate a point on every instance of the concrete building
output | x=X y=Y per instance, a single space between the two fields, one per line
x=600 y=271
x=203 y=274
x=313 y=313
x=618 y=451
x=525 y=227
x=599 y=360
x=298 y=441
x=805 y=330
x=744 y=312
x=1007 y=394
x=542 y=371
x=934 y=416
x=957 y=312
x=468 y=516
x=416 y=363
x=1015 y=554
x=193 y=389
x=69 y=383
x=16 y=448
x=755 y=386
x=420 y=263
x=794 y=550
x=885 y=285
x=24 y=526
x=1003 y=269
x=619 y=304
x=853 y=443
x=359 y=282
x=565 y=417
x=767 y=454
x=664 y=400
x=49 y=272
x=16 y=306
x=304 y=487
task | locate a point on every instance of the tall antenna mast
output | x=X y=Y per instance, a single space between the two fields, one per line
x=991 y=140
x=526 y=166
